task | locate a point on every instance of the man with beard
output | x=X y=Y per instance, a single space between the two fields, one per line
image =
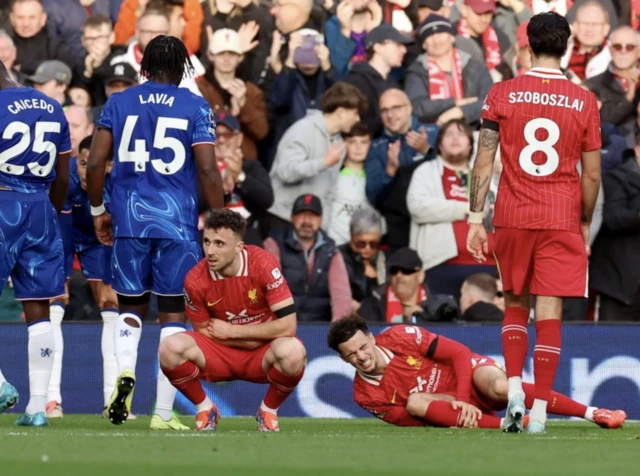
x=311 y=264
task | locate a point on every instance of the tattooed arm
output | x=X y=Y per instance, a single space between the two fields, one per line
x=483 y=167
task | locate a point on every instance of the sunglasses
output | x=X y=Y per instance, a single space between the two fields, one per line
x=362 y=244
x=620 y=47
x=405 y=271
x=500 y=294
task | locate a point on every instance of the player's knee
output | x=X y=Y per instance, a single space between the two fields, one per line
x=290 y=354
x=499 y=389
x=417 y=405
x=172 y=349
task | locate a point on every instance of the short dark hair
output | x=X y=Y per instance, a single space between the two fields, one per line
x=85 y=143
x=344 y=329
x=166 y=5
x=344 y=95
x=484 y=282
x=94 y=21
x=166 y=56
x=359 y=130
x=225 y=218
x=461 y=125
x=548 y=34
x=15 y=2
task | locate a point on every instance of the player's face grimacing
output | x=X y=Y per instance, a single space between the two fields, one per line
x=221 y=247
x=360 y=351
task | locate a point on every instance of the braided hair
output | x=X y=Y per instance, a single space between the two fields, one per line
x=166 y=58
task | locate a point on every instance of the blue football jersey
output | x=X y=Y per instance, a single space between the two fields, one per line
x=154 y=127
x=34 y=131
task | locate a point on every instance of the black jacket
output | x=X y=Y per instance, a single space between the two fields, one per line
x=483 y=312
x=615 y=261
x=372 y=85
x=41 y=47
x=361 y=286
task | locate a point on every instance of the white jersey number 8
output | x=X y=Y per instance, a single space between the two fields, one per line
x=545 y=146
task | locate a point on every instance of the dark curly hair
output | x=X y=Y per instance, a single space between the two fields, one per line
x=166 y=56
x=225 y=218
x=344 y=329
x=548 y=34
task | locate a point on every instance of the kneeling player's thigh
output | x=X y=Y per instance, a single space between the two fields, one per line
x=217 y=367
x=39 y=271
x=560 y=265
x=171 y=261
x=131 y=266
x=514 y=257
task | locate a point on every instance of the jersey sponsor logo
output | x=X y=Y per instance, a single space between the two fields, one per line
x=211 y=304
x=243 y=317
x=275 y=272
x=188 y=301
x=275 y=285
x=413 y=362
x=253 y=296
x=414 y=330
x=546 y=99
x=429 y=385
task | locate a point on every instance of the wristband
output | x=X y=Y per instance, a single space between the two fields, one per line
x=475 y=218
x=97 y=211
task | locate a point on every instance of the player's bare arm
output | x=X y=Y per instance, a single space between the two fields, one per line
x=459 y=355
x=418 y=404
x=284 y=326
x=60 y=184
x=99 y=155
x=209 y=175
x=591 y=177
x=477 y=241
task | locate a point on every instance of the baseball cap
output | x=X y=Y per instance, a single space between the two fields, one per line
x=405 y=258
x=51 y=69
x=434 y=24
x=307 y=203
x=228 y=120
x=521 y=34
x=223 y=40
x=384 y=33
x=434 y=5
x=122 y=72
x=482 y=6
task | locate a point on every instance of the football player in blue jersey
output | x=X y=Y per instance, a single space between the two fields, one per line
x=34 y=176
x=79 y=238
x=161 y=138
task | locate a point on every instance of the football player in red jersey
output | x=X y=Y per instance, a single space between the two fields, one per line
x=408 y=376
x=244 y=324
x=544 y=125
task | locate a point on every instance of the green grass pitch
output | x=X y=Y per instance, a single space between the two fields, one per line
x=86 y=445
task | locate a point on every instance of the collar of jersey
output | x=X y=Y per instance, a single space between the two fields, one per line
x=547 y=73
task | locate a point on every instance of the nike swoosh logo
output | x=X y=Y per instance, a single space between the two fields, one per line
x=211 y=304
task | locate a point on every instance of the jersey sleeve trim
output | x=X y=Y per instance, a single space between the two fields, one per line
x=491 y=125
x=100 y=127
x=66 y=152
x=212 y=142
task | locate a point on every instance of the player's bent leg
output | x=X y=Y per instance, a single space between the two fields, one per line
x=441 y=413
x=54 y=396
x=41 y=346
x=181 y=360
x=546 y=356
x=284 y=364
x=492 y=386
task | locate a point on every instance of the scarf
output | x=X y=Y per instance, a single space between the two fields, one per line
x=492 y=53
x=580 y=60
x=394 y=306
x=624 y=82
x=443 y=85
x=543 y=6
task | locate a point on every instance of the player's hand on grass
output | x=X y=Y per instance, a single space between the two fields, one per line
x=219 y=329
x=477 y=242
x=102 y=224
x=585 y=230
x=469 y=415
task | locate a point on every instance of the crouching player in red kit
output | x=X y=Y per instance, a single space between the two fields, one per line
x=244 y=325
x=544 y=125
x=408 y=376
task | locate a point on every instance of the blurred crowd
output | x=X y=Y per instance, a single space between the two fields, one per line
x=346 y=129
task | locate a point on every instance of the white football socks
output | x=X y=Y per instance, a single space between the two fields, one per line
x=109 y=362
x=515 y=387
x=539 y=411
x=206 y=405
x=2 y=379
x=166 y=393
x=56 y=314
x=41 y=348
x=126 y=342
x=588 y=415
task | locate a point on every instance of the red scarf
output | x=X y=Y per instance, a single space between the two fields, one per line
x=543 y=6
x=492 y=53
x=443 y=85
x=394 y=306
x=624 y=82
x=580 y=60
x=635 y=14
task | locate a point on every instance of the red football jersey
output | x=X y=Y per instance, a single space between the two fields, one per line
x=545 y=123
x=408 y=371
x=242 y=299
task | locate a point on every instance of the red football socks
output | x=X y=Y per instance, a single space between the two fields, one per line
x=186 y=378
x=558 y=404
x=441 y=413
x=281 y=387
x=546 y=357
x=515 y=340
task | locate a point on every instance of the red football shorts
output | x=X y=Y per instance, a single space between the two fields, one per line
x=224 y=364
x=548 y=262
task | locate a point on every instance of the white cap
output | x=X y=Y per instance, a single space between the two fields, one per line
x=223 y=40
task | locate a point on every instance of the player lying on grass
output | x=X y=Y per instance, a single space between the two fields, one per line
x=244 y=319
x=408 y=376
